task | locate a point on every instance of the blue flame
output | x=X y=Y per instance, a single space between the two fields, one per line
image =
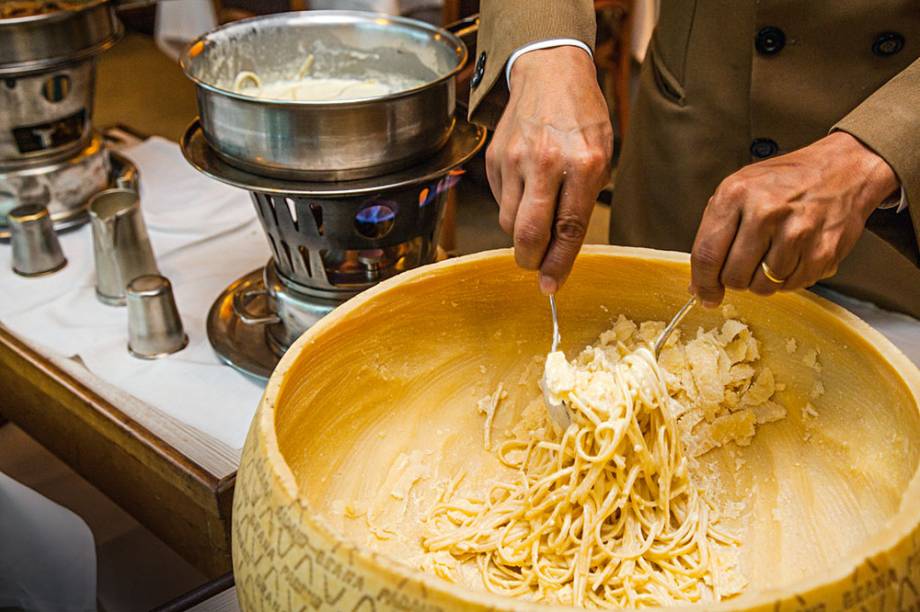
x=378 y=213
x=430 y=194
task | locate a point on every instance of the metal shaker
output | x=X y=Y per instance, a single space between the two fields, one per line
x=36 y=249
x=154 y=326
x=121 y=246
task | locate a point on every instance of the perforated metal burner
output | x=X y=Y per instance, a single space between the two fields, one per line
x=329 y=241
x=326 y=246
x=333 y=239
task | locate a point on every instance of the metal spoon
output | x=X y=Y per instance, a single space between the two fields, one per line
x=557 y=410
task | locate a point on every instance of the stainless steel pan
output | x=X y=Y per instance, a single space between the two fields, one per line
x=38 y=43
x=329 y=140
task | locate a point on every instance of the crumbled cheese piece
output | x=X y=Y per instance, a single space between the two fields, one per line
x=731 y=329
x=811 y=360
x=381 y=533
x=739 y=463
x=791 y=345
x=624 y=329
x=440 y=563
x=741 y=372
x=350 y=511
x=409 y=468
x=710 y=370
x=761 y=390
x=769 y=412
x=737 y=427
x=353 y=512
x=650 y=330
x=487 y=406
x=817 y=390
x=743 y=346
x=729 y=311
x=809 y=411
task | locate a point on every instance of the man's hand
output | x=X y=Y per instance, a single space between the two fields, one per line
x=549 y=158
x=800 y=213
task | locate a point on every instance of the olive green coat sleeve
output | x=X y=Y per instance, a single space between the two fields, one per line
x=888 y=122
x=506 y=26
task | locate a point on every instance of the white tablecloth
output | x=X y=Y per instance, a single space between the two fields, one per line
x=205 y=235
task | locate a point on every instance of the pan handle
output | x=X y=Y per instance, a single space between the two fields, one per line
x=468 y=26
x=241 y=301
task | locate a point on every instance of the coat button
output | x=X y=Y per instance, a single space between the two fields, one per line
x=763 y=147
x=887 y=43
x=770 y=40
x=479 y=71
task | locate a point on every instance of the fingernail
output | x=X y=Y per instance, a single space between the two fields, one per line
x=710 y=303
x=548 y=285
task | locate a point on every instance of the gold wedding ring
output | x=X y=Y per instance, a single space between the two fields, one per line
x=770 y=274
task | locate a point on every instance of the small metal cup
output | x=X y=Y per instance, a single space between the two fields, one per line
x=121 y=247
x=36 y=250
x=154 y=326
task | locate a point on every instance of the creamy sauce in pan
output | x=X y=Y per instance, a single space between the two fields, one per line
x=324 y=89
x=314 y=88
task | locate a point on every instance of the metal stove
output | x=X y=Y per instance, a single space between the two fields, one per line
x=329 y=241
x=49 y=152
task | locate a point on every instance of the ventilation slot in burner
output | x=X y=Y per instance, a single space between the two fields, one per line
x=305 y=258
x=317 y=211
x=292 y=211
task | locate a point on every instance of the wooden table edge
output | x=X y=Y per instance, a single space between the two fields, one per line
x=95 y=437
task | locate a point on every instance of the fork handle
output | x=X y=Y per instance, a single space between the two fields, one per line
x=557 y=338
x=666 y=332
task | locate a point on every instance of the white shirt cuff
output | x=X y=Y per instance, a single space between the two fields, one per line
x=543 y=44
x=900 y=202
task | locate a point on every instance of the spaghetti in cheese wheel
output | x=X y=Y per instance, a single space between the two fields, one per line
x=603 y=514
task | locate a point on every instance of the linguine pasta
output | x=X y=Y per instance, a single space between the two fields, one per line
x=605 y=514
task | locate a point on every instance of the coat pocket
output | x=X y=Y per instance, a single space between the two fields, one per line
x=665 y=80
x=668 y=48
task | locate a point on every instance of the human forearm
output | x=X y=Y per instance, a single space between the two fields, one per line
x=888 y=123
x=508 y=25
